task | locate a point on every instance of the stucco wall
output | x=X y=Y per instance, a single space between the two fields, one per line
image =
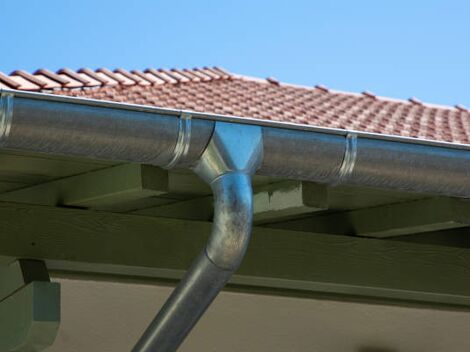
x=105 y=316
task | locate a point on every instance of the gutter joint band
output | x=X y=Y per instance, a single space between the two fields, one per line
x=349 y=160
x=6 y=115
x=182 y=141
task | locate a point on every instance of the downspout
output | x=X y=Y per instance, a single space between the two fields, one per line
x=233 y=155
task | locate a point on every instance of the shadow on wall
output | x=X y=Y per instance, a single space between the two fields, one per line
x=375 y=349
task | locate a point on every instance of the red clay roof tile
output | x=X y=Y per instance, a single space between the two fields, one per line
x=24 y=83
x=76 y=77
x=127 y=78
x=10 y=82
x=272 y=80
x=188 y=74
x=202 y=76
x=369 y=94
x=161 y=75
x=203 y=73
x=321 y=88
x=210 y=73
x=102 y=80
x=225 y=74
x=176 y=75
x=416 y=101
x=146 y=76
x=112 y=75
x=51 y=84
x=38 y=81
x=51 y=75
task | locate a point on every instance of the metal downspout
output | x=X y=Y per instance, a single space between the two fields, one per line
x=232 y=156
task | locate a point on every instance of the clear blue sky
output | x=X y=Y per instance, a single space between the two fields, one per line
x=393 y=48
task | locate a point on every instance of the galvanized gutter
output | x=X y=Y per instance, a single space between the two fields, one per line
x=225 y=151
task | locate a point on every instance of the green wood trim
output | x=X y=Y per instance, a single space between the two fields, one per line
x=272 y=202
x=118 y=188
x=29 y=168
x=425 y=215
x=100 y=242
x=193 y=209
x=29 y=306
x=284 y=200
x=30 y=318
x=103 y=189
x=19 y=273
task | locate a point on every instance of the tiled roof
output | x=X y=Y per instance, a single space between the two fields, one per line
x=218 y=91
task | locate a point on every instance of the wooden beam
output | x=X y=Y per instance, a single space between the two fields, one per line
x=30 y=168
x=74 y=240
x=119 y=188
x=274 y=202
x=285 y=200
x=192 y=209
x=29 y=307
x=398 y=219
x=100 y=189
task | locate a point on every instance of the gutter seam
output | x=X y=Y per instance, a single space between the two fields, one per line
x=349 y=160
x=183 y=140
x=6 y=115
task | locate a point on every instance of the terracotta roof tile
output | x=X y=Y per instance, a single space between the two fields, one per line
x=9 y=81
x=84 y=80
x=175 y=75
x=149 y=77
x=50 y=84
x=203 y=73
x=218 y=91
x=29 y=77
x=369 y=94
x=272 y=80
x=321 y=88
x=92 y=82
x=225 y=74
x=63 y=81
x=126 y=78
x=24 y=83
x=210 y=73
x=102 y=79
x=188 y=74
x=163 y=76
x=202 y=76
x=416 y=101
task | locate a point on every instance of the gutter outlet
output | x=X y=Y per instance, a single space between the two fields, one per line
x=227 y=164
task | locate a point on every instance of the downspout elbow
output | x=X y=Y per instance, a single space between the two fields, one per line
x=229 y=161
x=231 y=158
x=233 y=216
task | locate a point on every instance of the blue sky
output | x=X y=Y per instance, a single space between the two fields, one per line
x=392 y=48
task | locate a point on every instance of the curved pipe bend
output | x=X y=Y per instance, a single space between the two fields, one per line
x=228 y=168
x=233 y=217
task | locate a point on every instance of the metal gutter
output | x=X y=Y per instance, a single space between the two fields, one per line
x=135 y=133
x=228 y=118
x=225 y=151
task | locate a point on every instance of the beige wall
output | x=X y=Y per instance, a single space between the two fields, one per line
x=104 y=316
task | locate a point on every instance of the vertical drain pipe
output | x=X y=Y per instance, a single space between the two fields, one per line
x=232 y=156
